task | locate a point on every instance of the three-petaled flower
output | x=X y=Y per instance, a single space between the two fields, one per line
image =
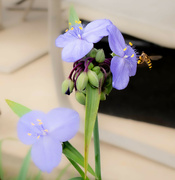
x=124 y=63
x=46 y=132
x=78 y=41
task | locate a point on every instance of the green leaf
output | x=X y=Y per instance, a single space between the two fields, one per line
x=18 y=109
x=38 y=176
x=78 y=168
x=63 y=172
x=73 y=17
x=70 y=152
x=76 y=178
x=92 y=104
x=1 y=169
x=25 y=167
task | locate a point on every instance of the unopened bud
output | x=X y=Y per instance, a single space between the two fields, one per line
x=80 y=97
x=92 y=53
x=82 y=81
x=108 y=89
x=90 y=66
x=93 y=78
x=103 y=96
x=96 y=69
x=67 y=86
x=100 y=56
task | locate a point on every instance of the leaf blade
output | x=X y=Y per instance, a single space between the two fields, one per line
x=92 y=104
x=24 y=167
x=17 y=108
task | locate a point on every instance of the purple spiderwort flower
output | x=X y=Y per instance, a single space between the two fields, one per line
x=78 y=41
x=46 y=132
x=124 y=63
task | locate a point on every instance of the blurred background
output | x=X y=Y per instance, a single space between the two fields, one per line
x=136 y=124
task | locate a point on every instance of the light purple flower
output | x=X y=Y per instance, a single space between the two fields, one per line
x=124 y=63
x=46 y=132
x=78 y=41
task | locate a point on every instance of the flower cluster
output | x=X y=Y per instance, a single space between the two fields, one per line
x=90 y=64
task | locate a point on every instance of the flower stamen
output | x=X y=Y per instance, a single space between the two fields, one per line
x=32 y=124
x=80 y=27
x=132 y=55
x=79 y=22
x=38 y=137
x=40 y=123
x=66 y=30
x=46 y=130
x=125 y=49
x=29 y=134
x=71 y=28
x=130 y=43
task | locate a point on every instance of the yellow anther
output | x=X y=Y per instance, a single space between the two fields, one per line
x=40 y=123
x=124 y=49
x=29 y=134
x=38 y=137
x=79 y=22
x=80 y=27
x=132 y=55
x=76 y=21
x=71 y=28
x=69 y=23
x=46 y=130
x=38 y=120
x=66 y=30
x=130 y=43
x=32 y=124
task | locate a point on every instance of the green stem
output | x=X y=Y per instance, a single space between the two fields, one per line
x=97 y=150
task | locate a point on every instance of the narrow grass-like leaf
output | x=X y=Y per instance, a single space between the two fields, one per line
x=25 y=166
x=73 y=17
x=77 y=168
x=18 y=109
x=1 y=169
x=63 y=171
x=76 y=178
x=70 y=152
x=38 y=176
x=92 y=104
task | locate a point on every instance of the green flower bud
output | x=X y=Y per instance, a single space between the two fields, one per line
x=100 y=75
x=93 y=78
x=108 y=89
x=90 y=66
x=100 y=56
x=108 y=80
x=67 y=86
x=92 y=53
x=80 y=97
x=96 y=69
x=103 y=96
x=113 y=54
x=82 y=81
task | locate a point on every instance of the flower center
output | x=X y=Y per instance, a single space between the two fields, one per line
x=38 y=129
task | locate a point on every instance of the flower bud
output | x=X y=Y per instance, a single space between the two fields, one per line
x=90 y=66
x=80 y=97
x=82 y=81
x=100 y=56
x=96 y=69
x=67 y=86
x=93 y=78
x=108 y=89
x=103 y=96
x=92 y=53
